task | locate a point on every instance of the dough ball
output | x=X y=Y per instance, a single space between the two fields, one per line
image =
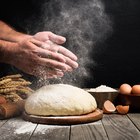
x=60 y=99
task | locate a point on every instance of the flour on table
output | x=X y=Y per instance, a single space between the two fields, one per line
x=25 y=128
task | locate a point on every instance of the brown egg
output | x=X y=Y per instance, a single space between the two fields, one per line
x=108 y=107
x=136 y=89
x=122 y=109
x=125 y=89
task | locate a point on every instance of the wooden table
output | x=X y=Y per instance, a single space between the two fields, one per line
x=111 y=127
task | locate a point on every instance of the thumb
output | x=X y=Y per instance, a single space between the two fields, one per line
x=56 y=38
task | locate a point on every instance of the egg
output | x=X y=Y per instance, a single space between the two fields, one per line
x=125 y=89
x=122 y=109
x=136 y=89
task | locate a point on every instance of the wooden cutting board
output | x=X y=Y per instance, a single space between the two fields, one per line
x=65 y=120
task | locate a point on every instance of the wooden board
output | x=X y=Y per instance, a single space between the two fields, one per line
x=94 y=116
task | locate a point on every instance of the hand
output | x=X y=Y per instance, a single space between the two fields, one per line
x=53 y=43
x=46 y=35
x=34 y=60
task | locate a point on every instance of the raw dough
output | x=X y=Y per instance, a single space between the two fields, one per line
x=60 y=99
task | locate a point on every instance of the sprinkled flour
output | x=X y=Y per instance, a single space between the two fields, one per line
x=26 y=128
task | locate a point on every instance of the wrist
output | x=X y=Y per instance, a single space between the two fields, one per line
x=21 y=37
x=7 y=51
x=7 y=33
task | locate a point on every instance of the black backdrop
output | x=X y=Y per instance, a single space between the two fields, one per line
x=121 y=60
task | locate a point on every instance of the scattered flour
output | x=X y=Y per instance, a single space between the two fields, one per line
x=40 y=129
x=26 y=128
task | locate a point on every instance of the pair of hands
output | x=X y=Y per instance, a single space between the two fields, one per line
x=42 y=55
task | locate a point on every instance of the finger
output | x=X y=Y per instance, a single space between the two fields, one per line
x=67 y=53
x=46 y=72
x=42 y=36
x=58 y=56
x=57 y=48
x=51 y=55
x=54 y=64
x=56 y=38
x=41 y=44
x=71 y=63
x=51 y=73
x=49 y=45
x=54 y=73
x=45 y=53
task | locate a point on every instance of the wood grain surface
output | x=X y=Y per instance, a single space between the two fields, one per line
x=90 y=131
x=16 y=129
x=51 y=132
x=2 y=122
x=135 y=118
x=110 y=127
x=120 y=127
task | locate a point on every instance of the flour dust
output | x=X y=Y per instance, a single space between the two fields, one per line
x=85 y=24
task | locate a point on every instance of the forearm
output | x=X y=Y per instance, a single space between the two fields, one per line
x=5 y=51
x=7 y=33
x=8 y=40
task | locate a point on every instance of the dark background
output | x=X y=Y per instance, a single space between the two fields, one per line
x=118 y=63
x=121 y=60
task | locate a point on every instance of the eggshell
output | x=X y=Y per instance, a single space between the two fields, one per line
x=136 y=89
x=122 y=109
x=108 y=107
x=125 y=89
